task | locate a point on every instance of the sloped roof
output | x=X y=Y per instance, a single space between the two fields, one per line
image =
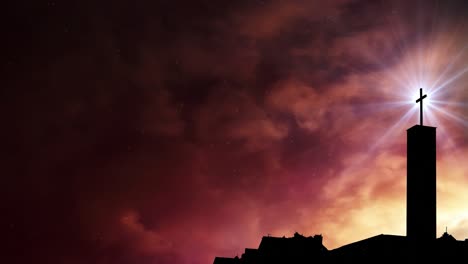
x=391 y=249
x=381 y=240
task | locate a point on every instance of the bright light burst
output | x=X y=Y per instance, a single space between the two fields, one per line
x=443 y=82
x=439 y=65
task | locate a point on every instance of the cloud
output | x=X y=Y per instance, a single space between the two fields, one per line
x=173 y=132
x=303 y=102
x=267 y=19
x=161 y=117
x=141 y=239
x=231 y=115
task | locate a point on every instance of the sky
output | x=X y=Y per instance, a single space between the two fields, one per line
x=160 y=132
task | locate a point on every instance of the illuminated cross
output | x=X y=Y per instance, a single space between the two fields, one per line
x=421 y=97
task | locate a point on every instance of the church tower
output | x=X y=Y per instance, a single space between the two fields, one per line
x=421 y=182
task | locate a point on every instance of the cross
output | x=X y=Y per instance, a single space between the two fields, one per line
x=421 y=97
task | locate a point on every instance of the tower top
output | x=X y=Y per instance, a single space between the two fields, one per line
x=420 y=101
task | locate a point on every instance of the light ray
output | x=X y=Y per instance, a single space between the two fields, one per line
x=446 y=103
x=444 y=134
x=382 y=106
x=450 y=80
x=370 y=153
x=448 y=68
x=451 y=115
x=398 y=124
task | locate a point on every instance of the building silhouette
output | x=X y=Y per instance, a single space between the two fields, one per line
x=421 y=183
x=419 y=245
x=297 y=249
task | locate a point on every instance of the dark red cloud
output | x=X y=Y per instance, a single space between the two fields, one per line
x=173 y=131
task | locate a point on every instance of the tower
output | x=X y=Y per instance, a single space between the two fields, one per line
x=421 y=213
x=421 y=183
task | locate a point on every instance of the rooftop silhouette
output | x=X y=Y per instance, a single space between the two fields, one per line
x=420 y=242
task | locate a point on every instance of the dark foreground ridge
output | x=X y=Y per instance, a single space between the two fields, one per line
x=378 y=249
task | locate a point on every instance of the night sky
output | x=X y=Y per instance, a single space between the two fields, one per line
x=171 y=132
